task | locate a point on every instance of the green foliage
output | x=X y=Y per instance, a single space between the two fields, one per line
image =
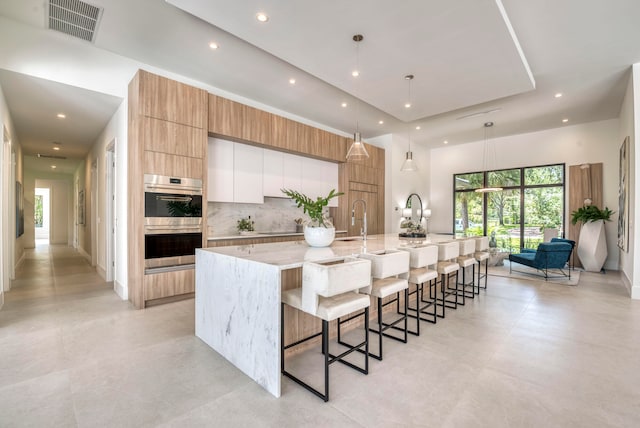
x=590 y=213
x=311 y=207
x=38 y=214
x=245 y=225
x=183 y=209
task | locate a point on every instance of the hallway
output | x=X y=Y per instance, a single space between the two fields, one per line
x=525 y=353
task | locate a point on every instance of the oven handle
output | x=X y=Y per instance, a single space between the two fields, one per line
x=194 y=190
x=173 y=228
x=174 y=198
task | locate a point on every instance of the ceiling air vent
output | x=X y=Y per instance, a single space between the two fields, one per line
x=74 y=17
x=40 y=155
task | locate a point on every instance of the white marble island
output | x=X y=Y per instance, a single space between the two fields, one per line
x=238 y=298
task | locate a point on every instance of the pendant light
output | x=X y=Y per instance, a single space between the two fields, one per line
x=485 y=155
x=409 y=164
x=357 y=151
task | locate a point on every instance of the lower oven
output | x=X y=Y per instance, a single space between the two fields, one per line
x=164 y=252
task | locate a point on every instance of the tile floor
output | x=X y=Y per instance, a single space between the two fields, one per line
x=525 y=354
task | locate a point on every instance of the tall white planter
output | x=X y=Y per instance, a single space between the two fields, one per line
x=319 y=236
x=592 y=247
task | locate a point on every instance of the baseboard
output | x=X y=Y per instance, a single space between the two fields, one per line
x=635 y=292
x=84 y=254
x=19 y=262
x=120 y=290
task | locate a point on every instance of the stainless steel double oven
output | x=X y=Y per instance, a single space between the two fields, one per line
x=172 y=223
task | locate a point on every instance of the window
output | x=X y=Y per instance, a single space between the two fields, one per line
x=531 y=201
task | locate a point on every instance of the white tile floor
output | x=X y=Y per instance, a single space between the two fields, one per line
x=526 y=353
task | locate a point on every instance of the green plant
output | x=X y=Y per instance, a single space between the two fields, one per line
x=590 y=213
x=311 y=207
x=245 y=225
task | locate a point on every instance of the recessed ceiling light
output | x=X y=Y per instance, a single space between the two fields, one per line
x=407 y=105
x=56 y=148
x=565 y=120
x=262 y=17
x=343 y=104
x=213 y=45
x=445 y=142
x=418 y=127
x=53 y=167
x=355 y=73
x=558 y=95
x=61 y=115
x=292 y=81
x=380 y=122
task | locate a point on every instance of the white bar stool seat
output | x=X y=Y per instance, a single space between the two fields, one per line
x=329 y=291
x=448 y=253
x=423 y=262
x=389 y=272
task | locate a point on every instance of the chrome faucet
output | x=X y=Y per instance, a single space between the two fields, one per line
x=363 y=229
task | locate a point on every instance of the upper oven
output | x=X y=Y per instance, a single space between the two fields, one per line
x=171 y=203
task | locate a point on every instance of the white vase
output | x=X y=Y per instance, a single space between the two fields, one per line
x=592 y=246
x=319 y=236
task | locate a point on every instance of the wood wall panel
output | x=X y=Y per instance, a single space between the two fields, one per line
x=172 y=165
x=173 y=138
x=257 y=126
x=167 y=284
x=166 y=99
x=583 y=183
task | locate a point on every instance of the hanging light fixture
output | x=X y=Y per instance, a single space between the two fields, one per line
x=409 y=164
x=485 y=155
x=357 y=151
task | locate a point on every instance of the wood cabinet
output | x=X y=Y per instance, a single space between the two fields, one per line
x=167 y=135
x=225 y=117
x=166 y=99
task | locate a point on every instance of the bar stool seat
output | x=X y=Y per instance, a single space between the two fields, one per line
x=482 y=255
x=447 y=266
x=422 y=261
x=329 y=291
x=389 y=272
x=466 y=260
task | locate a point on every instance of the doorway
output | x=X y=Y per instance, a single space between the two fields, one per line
x=42 y=215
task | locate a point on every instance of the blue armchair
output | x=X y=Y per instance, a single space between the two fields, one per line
x=549 y=255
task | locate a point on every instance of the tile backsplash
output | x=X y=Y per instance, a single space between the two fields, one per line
x=275 y=215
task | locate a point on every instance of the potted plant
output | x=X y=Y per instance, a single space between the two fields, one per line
x=592 y=243
x=319 y=231
x=246 y=226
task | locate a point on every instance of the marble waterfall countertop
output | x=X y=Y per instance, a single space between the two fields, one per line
x=238 y=296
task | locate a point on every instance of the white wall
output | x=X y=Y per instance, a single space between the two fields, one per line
x=573 y=145
x=116 y=130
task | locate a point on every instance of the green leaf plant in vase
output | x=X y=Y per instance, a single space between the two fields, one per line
x=246 y=226
x=592 y=243
x=318 y=231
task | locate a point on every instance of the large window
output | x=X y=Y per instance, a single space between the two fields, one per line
x=531 y=201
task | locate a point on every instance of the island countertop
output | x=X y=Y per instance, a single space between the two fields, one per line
x=289 y=255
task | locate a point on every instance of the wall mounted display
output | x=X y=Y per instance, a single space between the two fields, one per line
x=19 y=210
x=81 y=206
x=623 y=197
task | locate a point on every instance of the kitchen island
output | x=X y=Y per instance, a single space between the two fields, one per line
x=238 y=297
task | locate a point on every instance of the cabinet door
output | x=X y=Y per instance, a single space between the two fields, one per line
x=220 y=178
x=330 y=181
x=272 y=173
x=312 y=184
x=292 y=172
x=247 y=177
x=374 y=225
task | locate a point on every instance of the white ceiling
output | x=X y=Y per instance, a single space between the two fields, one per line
x=463 y=53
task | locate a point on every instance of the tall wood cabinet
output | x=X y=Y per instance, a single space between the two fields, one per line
x=167 y=135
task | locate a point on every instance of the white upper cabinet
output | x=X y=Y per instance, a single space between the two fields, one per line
x=235 y=172
x=247 y=174
x=244 y=173
x=220 y=177
x=273 y=173
x=292 y=171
